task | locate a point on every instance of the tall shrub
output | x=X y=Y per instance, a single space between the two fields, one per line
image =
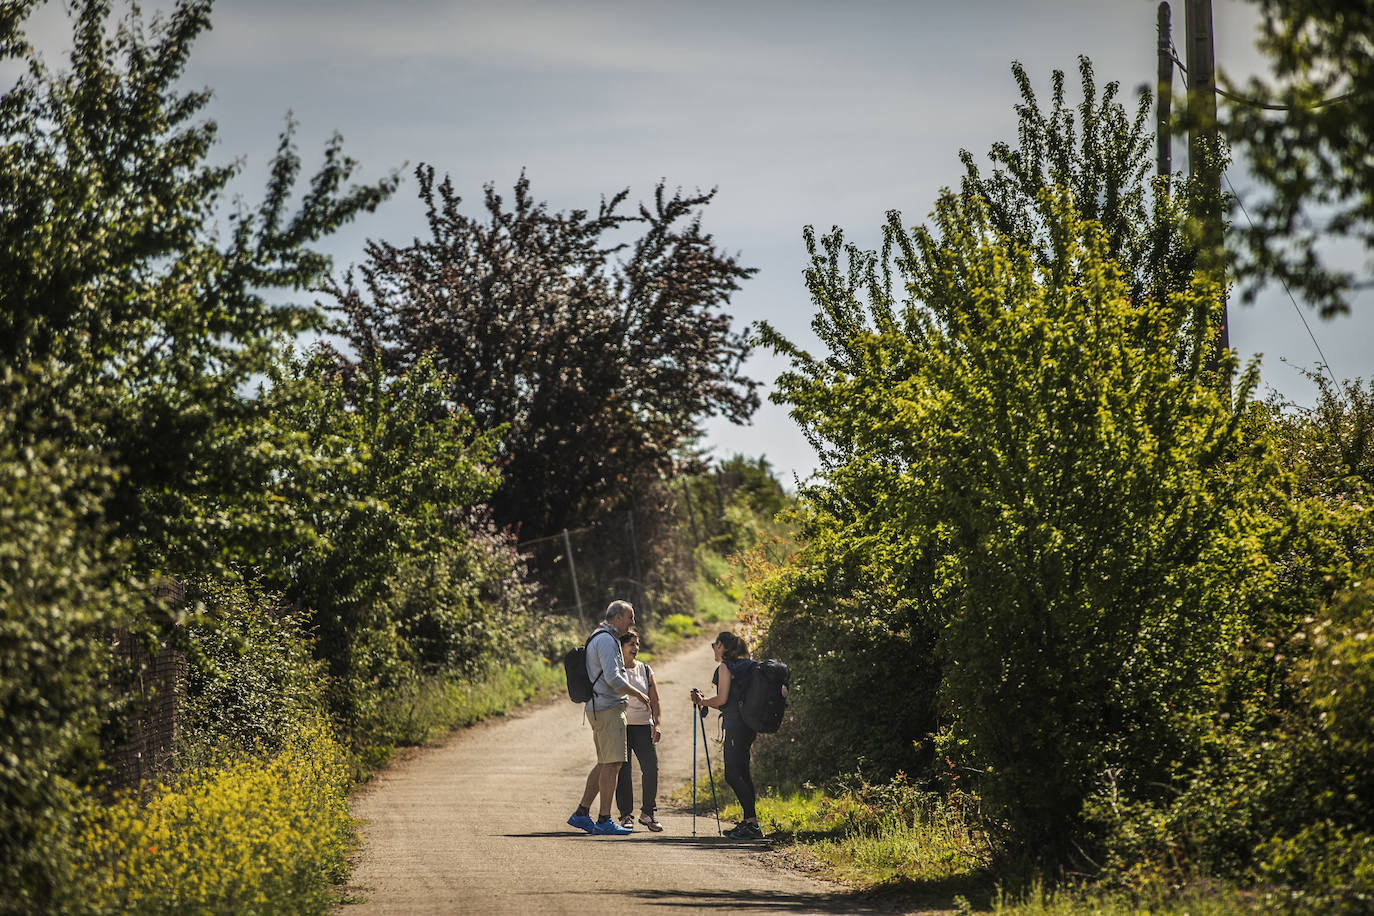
x=1080 y=514
x=384 y=477
x=58 y=609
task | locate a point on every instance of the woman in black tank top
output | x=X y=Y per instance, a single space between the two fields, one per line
x=733 y=669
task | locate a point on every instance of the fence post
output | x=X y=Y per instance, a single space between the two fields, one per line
x=691 y=516
x=720 y=502
x=639 y=576
x=572 y=571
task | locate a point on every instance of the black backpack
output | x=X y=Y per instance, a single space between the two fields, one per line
x=765 y=696
x=575 y=670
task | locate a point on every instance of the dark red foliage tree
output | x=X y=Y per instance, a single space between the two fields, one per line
x=597 y=339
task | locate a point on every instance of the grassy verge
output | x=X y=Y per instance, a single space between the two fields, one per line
x=430 y=708
x=927 y=853
x=926 y=850
x=715 y=592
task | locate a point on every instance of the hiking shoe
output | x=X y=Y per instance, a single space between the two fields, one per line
x=745 y=831
x=628 y=822
x=609 y=828
x=582 y=822
x=648 y=820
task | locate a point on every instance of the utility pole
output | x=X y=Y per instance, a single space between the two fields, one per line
x=1164 y=154
x=1203 y=145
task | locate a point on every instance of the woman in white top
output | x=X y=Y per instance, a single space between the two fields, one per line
x=642 y=733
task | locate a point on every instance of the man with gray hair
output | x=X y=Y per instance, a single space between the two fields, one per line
x=606 y=713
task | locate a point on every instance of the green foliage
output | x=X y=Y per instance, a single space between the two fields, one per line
x=1284 y=797
x=384 y=477
x=57 y=611
x=252 y=682
x=114 y=275
x=469 y=607
x=1034 y=506
x=596 y=365
x=244 y=836
x=681 y=626
x=1312 y=156
x=854 y=641
x=732 y=507
x=1101 y=157
x=1098 y=524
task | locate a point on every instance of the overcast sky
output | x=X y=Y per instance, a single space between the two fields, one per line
x=799 y=112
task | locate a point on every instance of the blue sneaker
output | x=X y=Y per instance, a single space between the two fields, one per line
x=610 y=828
x=582 y=822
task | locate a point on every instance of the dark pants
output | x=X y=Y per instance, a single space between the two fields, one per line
x=738 y=742
x=641 y=742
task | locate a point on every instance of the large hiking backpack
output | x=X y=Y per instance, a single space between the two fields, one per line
x=575 y=670
x=765 y=696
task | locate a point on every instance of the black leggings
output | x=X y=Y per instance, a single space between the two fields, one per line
x=641 y=741
x=738 y=742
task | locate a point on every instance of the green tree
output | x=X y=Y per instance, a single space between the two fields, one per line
x=1020 y=434
x=385 y=474
x=597 y=340
x=112 y=271
x=869 y=593
x=60 y=599
x=1312 y=155
x=128 y=332
x=1102 y=156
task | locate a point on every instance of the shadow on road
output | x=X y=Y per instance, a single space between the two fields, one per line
x=760 y=901
x=744 y=901
x=700 y=842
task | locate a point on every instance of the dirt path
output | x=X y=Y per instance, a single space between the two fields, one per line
x=478 y=825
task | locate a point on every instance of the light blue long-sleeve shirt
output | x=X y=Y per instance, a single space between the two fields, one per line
x=606 y=669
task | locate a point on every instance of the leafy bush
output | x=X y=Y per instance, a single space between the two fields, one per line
x=244 y=836
x=385 y=473
x=469 y=608
x=58 y=611
x=1291 y=802
x=1275 y=792
x=1040 y=527
x=858 y=651
x=1075 y=519
x=252 y=681
x=681 y=625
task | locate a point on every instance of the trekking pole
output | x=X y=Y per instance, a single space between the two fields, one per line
x=709 y=772
x=694 y=771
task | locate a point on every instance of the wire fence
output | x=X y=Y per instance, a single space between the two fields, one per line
x=152 y=679
x=586 y=568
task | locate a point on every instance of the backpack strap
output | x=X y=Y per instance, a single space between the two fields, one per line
x=587 y=645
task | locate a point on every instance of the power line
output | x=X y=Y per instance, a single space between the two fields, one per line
x=1325 y=365
x=1257 y=103
x=1240 y=203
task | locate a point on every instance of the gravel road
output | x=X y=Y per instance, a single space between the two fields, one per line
x=478 y=825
